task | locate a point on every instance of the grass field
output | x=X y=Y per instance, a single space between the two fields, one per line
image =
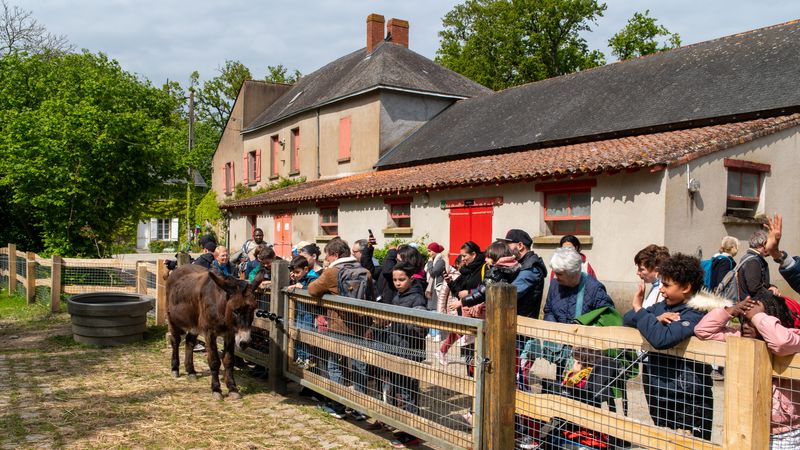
x=56 y=393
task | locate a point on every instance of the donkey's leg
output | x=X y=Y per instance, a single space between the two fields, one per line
x=188 y=358
x=227 y=360
x=213 y=364
x=175 y=342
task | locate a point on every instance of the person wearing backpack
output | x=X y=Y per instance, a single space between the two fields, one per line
x=722 y=262
x=344 y=276
x=752 y=273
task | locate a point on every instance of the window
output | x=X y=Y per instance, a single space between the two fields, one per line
x=228 y=177
x=163 y=227
x=568 y=206
x=344 y=139
x=329 y=220
x=252 y=167
x=295 y=156
x=273 y=156
x=745 y=179
x=399 y=213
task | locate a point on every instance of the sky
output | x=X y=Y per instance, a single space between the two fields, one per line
x=170 y=39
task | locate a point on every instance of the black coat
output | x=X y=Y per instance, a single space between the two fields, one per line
x=471 y=276
x=205 y=260
x=495 y=274
x=404 y=339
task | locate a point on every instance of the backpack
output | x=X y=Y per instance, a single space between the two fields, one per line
x=729 y=286
x=794 y=310
x=708 y=264
x=354 y=281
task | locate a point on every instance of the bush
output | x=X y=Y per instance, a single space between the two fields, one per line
x=208 y=210
x=422 y=246
x=159 y=246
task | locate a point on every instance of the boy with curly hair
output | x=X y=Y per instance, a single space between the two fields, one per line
x=678 y=390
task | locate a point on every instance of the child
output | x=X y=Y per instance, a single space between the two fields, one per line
x=407 y=341
x=767 y=318
x=501 y=266
x=678 y=390
x=302 y=274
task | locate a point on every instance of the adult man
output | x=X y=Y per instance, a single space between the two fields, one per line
x=343 y=326
x=789 y=266
x=362 y=251
x=250 y=245
x=530 y=280
x=752 y=271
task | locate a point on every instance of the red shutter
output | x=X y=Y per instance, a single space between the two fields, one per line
x=344 y=139
x=258 y=164
x=245 y=178
x=225 y=179
x=273 y=157
x=233 y=176
x=296 y=151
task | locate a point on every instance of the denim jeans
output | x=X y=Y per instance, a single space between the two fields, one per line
x=304 y=321
x=358 y=372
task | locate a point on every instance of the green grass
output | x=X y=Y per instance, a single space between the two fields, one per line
x=15 y=307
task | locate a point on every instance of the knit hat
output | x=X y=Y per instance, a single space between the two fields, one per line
x=435 y=247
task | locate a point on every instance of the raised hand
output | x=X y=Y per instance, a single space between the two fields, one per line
x=774 y=228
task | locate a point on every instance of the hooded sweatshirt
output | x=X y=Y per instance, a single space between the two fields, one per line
x=780 y=341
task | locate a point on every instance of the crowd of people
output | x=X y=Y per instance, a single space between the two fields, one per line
x=679 y=296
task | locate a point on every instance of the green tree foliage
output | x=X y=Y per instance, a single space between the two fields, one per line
x=208 y=210
x=278 y=74
x=639 y=38
x=241 y=191
x=84 y=143
x=501 y=43
x=215 y=99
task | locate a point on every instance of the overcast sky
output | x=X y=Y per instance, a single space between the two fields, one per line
x=167 y=39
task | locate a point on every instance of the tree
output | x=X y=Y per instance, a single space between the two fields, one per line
x=85 y=145
x=19 y=31
x=502 y=43
x=639 y=38
x=215 y=99
x=277 y=74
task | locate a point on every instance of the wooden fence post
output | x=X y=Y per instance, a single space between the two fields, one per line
x=183 y=258
x=748 y=394
x=141 y=278
x=277 y=354
x=12 y=269
x=30 y=277
x=161 y=292
x=500 y=388
x=55 y=284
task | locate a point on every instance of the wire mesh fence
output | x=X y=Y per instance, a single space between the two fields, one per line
x=80 y=276
x=609 y=388
x=379 y=360
x=4 y=267
x=785 y=409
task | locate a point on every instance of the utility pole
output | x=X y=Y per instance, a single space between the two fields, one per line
x=190 y=179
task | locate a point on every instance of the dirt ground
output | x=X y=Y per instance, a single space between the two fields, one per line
x=55 y=393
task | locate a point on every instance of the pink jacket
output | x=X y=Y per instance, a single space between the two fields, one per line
x=781 y=341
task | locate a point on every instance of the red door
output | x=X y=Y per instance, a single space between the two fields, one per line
x=472 y=223
x=283 y=235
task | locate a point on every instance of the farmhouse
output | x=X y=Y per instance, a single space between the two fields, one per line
x=678 y=148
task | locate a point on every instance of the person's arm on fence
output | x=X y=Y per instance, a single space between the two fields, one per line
x=664 y=335
x=327 y=283
x=714 y=326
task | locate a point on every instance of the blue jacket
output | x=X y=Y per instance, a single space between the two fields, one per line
x=791 y=272
x=679 y=393
x=530 y=285
x=561 y=300
x=308 y=278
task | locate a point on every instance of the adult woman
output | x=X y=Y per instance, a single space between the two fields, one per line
x=570 y=241
x=436 y=292
x=221 y=264
x=311 y=252
x=723 y=262
x=471 y=270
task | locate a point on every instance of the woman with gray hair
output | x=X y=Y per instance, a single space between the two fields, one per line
x=572 y=293
x=752 y=272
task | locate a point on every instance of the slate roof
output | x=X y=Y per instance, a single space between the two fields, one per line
x=654 y=151
x=389 y=66
x=744 y=73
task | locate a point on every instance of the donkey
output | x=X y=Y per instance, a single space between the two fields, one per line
x=200 y=301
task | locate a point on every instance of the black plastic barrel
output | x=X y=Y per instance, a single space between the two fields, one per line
x=109 y=318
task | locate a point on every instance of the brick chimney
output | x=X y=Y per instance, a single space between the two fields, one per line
x=397 y=31
x=374 y=31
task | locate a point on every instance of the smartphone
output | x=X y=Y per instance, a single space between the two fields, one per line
x=370 y=233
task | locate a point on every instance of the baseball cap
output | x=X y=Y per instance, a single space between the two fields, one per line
x=515 y=235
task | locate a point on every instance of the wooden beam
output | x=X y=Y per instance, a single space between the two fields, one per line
x=748 y=394
x=74 y=289
x=277 y=341
x=12 y=269
x=161 y=292
x=546 y=406
x=55 y=284
x=141 y=279
x=500 y=388
x=423 y=372
x=30 y=277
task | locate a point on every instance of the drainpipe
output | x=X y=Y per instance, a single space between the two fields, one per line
x=319 y=172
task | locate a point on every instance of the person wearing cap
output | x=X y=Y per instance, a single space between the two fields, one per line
x=530 y=280
x=207 y=258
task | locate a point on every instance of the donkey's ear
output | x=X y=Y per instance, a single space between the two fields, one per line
x=258 y=279
x=228 y=284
